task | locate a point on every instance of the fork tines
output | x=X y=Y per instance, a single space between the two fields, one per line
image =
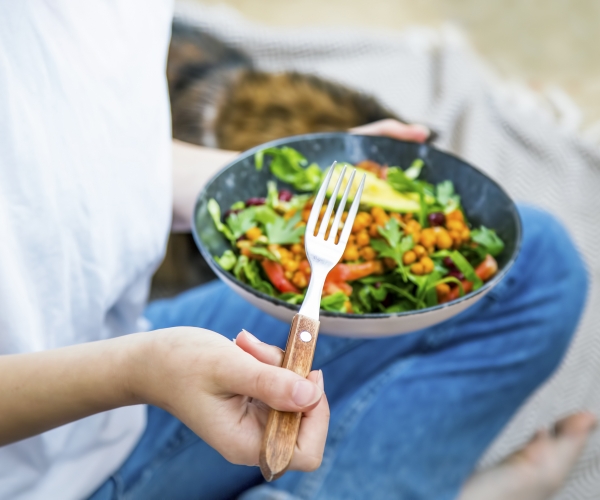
x=316 y=209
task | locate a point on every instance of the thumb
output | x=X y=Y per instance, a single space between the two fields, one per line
x=277 y=387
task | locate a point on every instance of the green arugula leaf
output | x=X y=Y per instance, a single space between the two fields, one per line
x=400 y=291
x=215 y=212
x=283 y=232
x=414 y=170
x=272 y=195
x=398 y=307
x=292 y=298
x=391 y=232
x=365 y=297
x=425 y=293
x=488 y=239
x=238 y=205
x=297 y=202
x=264 y=214
x=404 y=182
x=467 y=269
x=334 y=302
x=400 y=182
x=264 y=252
x=254 y=279
x=240 y=223
x=238 y=270
x=289 y=166
x=446 y=196
x=448 y=279
x=396 y=246
x=227 y=261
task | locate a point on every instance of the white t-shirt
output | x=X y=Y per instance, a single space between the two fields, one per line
x=85 y=207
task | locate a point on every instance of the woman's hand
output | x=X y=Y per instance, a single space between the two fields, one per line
x=221 y=389
x=395 y=129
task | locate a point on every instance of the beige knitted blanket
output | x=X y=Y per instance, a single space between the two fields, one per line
x=433 y=77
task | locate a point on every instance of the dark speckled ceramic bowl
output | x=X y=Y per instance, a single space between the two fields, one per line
x=484 y=202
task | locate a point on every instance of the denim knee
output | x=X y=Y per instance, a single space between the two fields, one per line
x=553 y=275
x=547 y=244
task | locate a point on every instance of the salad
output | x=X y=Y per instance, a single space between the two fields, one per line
x=411 y=246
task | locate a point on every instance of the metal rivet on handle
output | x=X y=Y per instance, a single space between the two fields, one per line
x=305 y=336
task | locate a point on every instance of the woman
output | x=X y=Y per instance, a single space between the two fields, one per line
x=88 y=196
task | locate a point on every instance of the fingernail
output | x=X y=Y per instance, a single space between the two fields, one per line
x=305 y=393
x=251 y=337
x=422 y=128
x=320 y=381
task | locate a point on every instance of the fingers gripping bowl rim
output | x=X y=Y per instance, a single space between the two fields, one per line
x=483 y=200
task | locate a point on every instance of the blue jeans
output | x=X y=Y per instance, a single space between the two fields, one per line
x=411 y=415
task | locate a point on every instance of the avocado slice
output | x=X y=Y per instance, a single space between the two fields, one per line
x=376 y=193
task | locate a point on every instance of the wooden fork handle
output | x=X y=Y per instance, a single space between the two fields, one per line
x=282 y=428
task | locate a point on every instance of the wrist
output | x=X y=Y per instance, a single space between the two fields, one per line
x=137 y=354
x=193 y=167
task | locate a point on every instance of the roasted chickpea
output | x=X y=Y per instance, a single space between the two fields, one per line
x=428 y=238
x=361 y=221
x=362 y=238
x=290 y=265
x=300 y=280
x=455 y=225
x=367 y=253
x=419 y=251
x=442 y=290
x=428 y=265
x=284 y=254
x=377 y=211
x=455 y=215
x=455 y=235
x=409 y=258
x=351 y=253
x=417 y=268
x=253 y=233
x=443 y=240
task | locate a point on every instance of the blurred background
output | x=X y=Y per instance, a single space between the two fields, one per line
x=541 y=42
x=549 y=45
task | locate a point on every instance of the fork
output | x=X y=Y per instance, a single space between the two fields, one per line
x=323 y=254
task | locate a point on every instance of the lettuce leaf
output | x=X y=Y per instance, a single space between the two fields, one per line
x=467 y=269
x=334 y=302
x=240 y=223
x=284 y=232
x=227 y=261
x=215 y=212
x=396 y=245
x=488 y=239
x=446 y=197
x=290 y=166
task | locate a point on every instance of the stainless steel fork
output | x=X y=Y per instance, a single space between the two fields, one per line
x=323 y=254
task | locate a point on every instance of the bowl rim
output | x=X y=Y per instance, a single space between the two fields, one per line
x=296 y=307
